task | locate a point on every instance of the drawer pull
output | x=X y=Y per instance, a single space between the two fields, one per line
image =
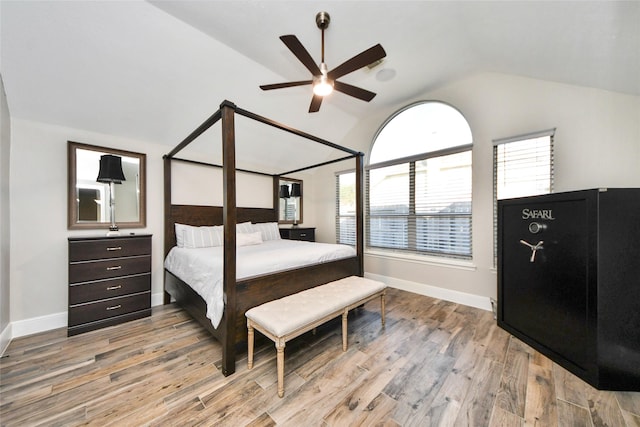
x=303 y=234
x=117 y=267
x=115 y=248
x=114 y=307
x=113 y=288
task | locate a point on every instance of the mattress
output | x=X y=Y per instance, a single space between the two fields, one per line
x=201 y=268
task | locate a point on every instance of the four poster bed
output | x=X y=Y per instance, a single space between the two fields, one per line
x=241 y=294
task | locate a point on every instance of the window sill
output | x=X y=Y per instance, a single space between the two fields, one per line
x=423 y=259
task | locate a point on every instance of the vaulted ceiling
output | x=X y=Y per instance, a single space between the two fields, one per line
x=154 y=70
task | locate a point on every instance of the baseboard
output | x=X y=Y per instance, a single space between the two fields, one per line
x=157 y=299
x=35 y=325
x=458 y=297
x=5 y=339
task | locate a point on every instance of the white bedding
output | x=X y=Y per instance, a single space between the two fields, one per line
x=201 y=268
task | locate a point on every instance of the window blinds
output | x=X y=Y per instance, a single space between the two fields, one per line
x=522 y=166
x=346 y=208
x=421 y=206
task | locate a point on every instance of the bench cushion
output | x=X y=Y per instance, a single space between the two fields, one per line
x=285 y=315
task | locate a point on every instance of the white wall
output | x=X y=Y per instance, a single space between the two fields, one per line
x=187 y=176
x=5 y=238
x=597 y=144
x=38 y=214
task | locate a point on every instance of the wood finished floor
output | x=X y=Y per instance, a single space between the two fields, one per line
x=435 y=363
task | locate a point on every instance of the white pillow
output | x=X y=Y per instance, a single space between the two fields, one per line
x=269 y=230
x=244 y=227
x=189 y=236
x=246 y=239
x=202 y=237
x=179 y=233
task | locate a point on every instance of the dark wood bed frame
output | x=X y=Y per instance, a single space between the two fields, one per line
x=240 y=295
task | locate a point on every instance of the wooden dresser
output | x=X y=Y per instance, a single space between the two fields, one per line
x=109 y=281
x=299 y=233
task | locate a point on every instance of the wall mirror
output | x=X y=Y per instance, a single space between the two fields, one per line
x=290 y=197
x=88 y=200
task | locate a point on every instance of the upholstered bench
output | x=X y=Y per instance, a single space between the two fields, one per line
x=286 y=318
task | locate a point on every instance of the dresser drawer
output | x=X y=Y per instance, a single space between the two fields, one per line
x=86 y=250
x=104 y=309
x=108 y=268
x=109 y=288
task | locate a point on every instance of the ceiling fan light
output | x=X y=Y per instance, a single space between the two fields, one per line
x=323 y=87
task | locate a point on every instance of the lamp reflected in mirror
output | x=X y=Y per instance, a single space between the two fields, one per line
x=111 y=173
x=284 y=192
x=295 y=190
x=296 y=193
x=290 y=201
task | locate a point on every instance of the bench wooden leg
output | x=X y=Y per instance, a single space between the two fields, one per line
x=280 y=364
x=249 y=344
x=382 y=308
x=344 y=330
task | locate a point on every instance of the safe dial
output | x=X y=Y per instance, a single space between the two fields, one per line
x=536 y=227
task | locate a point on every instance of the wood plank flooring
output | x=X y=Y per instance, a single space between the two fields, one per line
x=435 y=363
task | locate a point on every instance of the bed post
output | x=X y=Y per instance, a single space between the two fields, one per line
x=229 y=217
x=276 y=196
x=360 y=212
x=168 y=223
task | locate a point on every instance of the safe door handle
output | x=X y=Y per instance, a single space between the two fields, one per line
x=534 y=248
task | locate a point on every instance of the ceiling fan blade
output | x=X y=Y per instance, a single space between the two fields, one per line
x=288 y=84
x=315 y=104
x=301 y=53
x=354 y=91
x=363 y=59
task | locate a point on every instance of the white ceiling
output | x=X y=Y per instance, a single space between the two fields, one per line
x=155 y=70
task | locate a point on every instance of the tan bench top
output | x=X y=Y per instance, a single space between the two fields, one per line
x=285 y=315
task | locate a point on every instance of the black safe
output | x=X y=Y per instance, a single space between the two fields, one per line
x=569 y=281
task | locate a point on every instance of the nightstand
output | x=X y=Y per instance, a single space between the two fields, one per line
x=299 y=233
x=109 y=281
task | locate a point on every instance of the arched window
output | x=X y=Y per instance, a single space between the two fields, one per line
x=419 y=182
x=420 y=128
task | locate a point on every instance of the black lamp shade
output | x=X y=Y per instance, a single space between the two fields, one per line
x=111 y=169
x=295 y=190
x=284 y=191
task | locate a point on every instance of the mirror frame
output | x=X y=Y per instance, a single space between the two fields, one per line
x=72 y=203
x=276 y=196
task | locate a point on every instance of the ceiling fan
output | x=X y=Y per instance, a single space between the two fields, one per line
x=325 y=81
